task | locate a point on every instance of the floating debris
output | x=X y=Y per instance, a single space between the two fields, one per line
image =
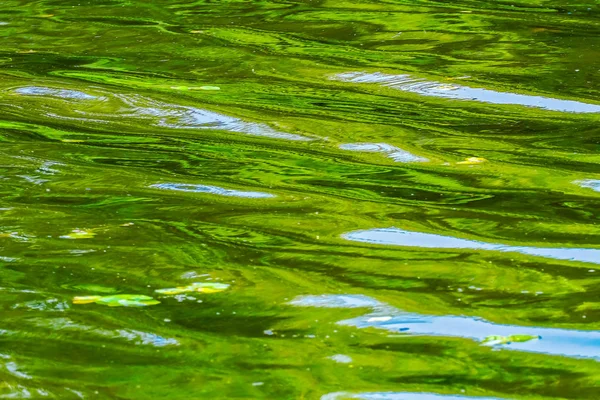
x=472 y=161
x=494 y=340
x=198 y=287
x=119 y=300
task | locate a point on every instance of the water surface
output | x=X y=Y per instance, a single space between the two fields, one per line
x=299 y=199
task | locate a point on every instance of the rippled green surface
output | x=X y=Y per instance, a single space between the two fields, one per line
x=396 y=199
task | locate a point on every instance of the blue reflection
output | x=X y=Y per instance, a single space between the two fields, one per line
x=63 y=93
x=567 y=342
x=424 y=87
x=593 y=184
x=392 y=152
x=400 y=237
x=182 y=187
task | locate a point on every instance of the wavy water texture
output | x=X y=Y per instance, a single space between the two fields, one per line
x=392 y=152
x=400 y=237
x=203 y=158
x=458 y=92
x=593 y=184
x=163 y=114
x=63 y=93
x=400 y=396
x=565 y=342
x=180 y=187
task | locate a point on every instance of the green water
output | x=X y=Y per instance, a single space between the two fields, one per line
x=376 y=186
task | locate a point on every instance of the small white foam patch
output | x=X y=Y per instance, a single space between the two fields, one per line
x=341 y=358
x=182 y=187
x=424 y=87
x=392 y=152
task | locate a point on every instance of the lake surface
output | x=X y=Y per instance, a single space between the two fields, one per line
x=300 y=199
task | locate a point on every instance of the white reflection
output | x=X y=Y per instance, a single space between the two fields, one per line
x=185 y=117
x=62 y=93
x=392 y=152
x=593 y=184
x=556 y=341
x=181 y=187
x=400 y=237
x=424 y=87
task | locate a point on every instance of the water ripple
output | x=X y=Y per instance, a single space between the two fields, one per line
x=131 y=335
x=62 y=93
x=593 y=184
x=182 y=187
x=185 y=117
x=566 y=342
x=424 y=87
x=392 y=152
x=401 y=237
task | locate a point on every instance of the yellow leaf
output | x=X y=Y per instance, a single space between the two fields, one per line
x=200 y=287
x=472 y=160
x=118 y=300
x=79 y=234
x=208 y=290
x=86 y=299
